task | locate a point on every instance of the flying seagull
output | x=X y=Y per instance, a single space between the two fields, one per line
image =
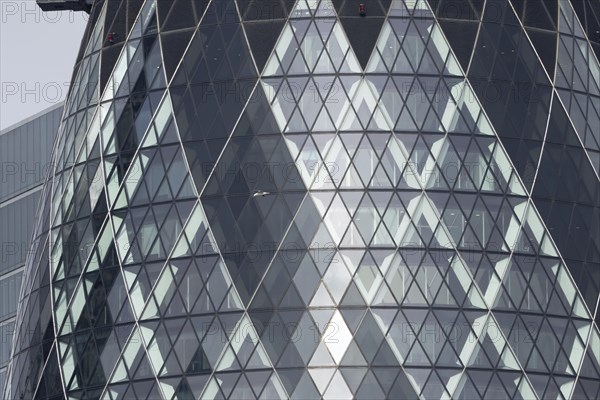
x=260 y=193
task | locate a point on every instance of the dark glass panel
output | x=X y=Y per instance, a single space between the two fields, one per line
x=456 y=9
x=262 y=36
x=545 y=46
x=173 y=46
x=461 y=36
x=362 y=34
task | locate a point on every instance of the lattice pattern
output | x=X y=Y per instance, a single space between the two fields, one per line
x=258 y=199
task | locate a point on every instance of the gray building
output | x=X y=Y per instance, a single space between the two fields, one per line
x=25 y=150
x=321 y=199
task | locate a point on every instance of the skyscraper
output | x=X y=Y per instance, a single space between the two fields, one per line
x=321 y=199
x=25 y=150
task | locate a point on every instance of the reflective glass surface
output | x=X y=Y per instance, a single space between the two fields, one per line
x=339 y=211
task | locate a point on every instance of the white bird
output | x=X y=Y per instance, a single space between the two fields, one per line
x=260 y=193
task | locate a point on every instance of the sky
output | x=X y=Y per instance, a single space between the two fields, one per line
x=37 y=55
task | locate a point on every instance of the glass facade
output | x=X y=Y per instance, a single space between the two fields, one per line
x=321 y=199
x=25 y=151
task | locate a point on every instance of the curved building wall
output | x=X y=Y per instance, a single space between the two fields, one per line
x=287 y=199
